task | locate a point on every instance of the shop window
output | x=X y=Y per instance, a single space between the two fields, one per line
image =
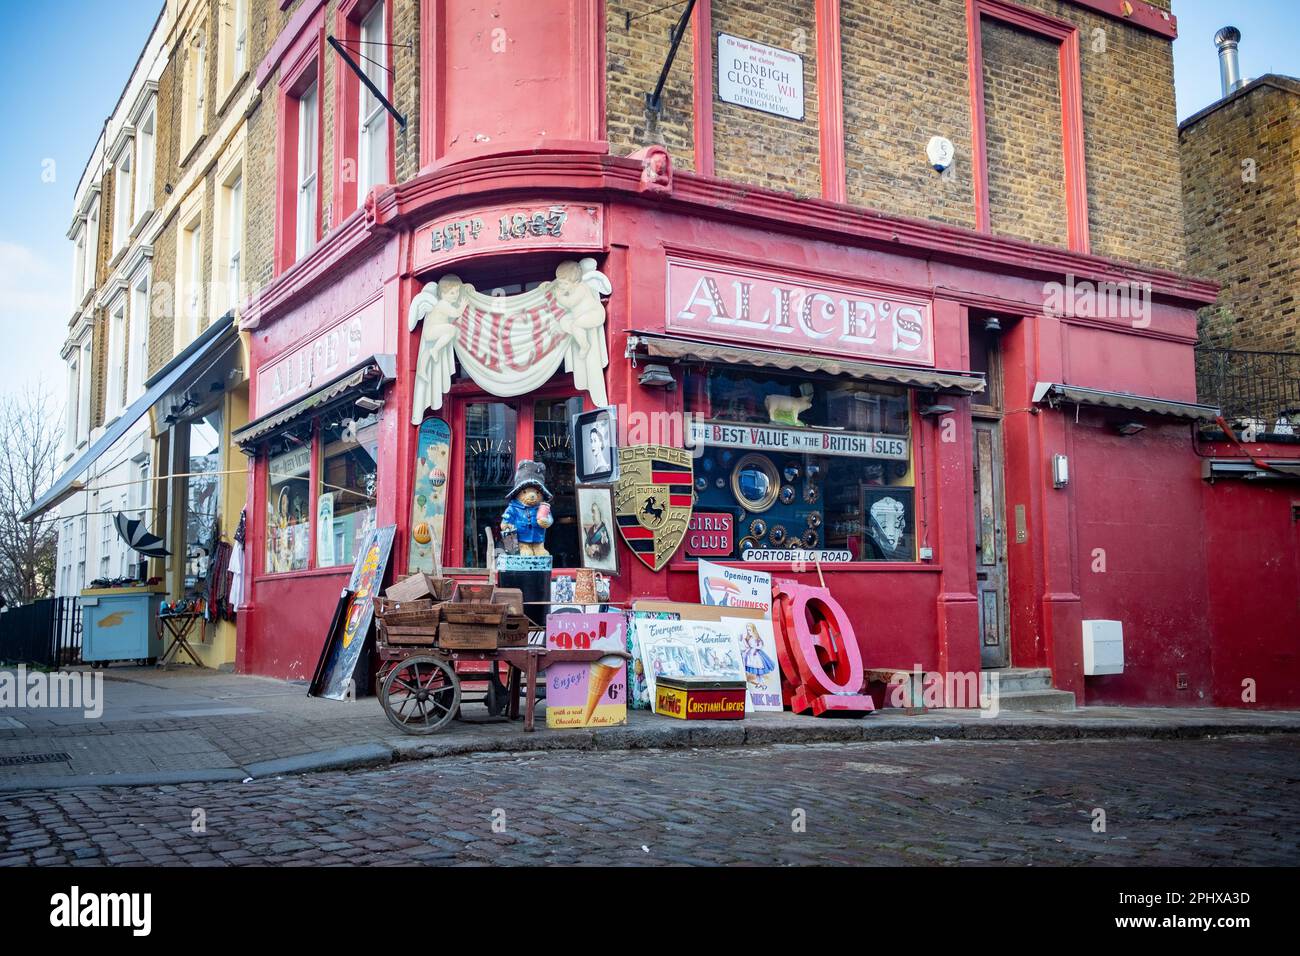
x=820 y=464
x=288 y=521
x=202 y=497
x=498 y=435
x=489 y=458
x=345 y=502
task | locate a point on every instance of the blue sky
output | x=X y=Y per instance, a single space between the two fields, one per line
x=63 y=64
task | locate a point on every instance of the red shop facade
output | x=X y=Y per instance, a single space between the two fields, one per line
x=942 y=388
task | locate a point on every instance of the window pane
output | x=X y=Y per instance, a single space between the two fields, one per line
x=553 y=446
x=781 y=499
x=345 y=506
x=288 y=519
x=489 y=458
x=202 y=497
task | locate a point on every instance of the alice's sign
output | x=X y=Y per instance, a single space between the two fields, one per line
x=506 y=228
x=759 y=76
x=743 y=306
x=321 y=358
x=511 y=344
x=798 y=441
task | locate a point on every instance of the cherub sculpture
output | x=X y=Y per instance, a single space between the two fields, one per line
x=578 y=287
x=440 y=310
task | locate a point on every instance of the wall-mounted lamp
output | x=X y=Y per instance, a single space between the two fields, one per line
x=369 y=404
x=934 y=410
x=1060 y=471
x=991 y=324
x=1129 y=428
x=657 y=376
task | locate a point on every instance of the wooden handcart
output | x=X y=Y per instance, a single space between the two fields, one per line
x=420 y=644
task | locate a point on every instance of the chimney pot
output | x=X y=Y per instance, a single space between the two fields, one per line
x=1229 y=65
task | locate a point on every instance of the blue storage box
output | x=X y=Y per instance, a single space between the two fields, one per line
x=120 y=624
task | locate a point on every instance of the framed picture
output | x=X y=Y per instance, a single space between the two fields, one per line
x=596 y=528
x=595 y=446
x=888 y=523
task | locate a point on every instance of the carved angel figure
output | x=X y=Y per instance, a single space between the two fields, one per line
x=439 y=307
x=578 y=287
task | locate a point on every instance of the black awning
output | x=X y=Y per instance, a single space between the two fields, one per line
x=674 y=347
x=211 y=344
x=366 y=379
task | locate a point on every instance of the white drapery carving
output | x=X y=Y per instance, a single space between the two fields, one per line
x=511 y=345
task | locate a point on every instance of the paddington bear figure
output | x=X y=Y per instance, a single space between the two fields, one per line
x=528 y=514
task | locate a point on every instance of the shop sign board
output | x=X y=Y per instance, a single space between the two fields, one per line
x=792 y=313
x=760 y=77
x=711 y=534
x=734 y=587
x=798 y=555
x=323 y=357
x=510 y=227
x=798 y=441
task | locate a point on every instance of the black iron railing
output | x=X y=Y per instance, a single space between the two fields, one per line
x=45 y=632
x=1251 y=387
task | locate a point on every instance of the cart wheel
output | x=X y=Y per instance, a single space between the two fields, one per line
x=385 y=668
x=497 y=699
x=420 y=695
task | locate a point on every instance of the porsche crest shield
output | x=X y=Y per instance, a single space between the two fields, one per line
x=652 y=500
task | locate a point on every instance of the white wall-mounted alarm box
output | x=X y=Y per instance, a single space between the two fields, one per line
x=1103 y=647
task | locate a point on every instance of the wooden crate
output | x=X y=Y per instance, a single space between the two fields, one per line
x=477 y=592
x=467 y=612
x=482 y=637
x=418 y=613
x=514 y=632
x=426 y=636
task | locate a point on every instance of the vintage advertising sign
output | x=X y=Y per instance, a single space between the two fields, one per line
x=711 y=534
x=652 y=500
x=798 y=441
x=759 y=658
x=508 y=228
x=760 y=77
x=587 y=695
x=764 y=308
x=320 y=359
x=512 y=344
x=691 y=650
x=734 y=587
x=429 y=496
x=342 y=652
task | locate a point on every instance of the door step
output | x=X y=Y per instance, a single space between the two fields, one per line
x=1015 y=679
x=1035 y=700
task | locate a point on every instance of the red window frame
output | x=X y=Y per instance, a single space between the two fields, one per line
x=1066 y=36
x=467 y=393
x=300 y=68
x=347 y=98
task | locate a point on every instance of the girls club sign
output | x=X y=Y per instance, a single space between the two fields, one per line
x=790 y=313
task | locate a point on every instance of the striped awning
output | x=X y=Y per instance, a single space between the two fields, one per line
x=1053 y=394
x=676 y=348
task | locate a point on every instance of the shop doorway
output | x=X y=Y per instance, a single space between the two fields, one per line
x=990 y=545
x=986 y=331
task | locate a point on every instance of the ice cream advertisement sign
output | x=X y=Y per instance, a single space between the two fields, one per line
x=589 y=694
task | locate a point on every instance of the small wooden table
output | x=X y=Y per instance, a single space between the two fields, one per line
x=179 y=627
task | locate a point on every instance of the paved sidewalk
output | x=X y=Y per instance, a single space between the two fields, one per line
x=188 y=725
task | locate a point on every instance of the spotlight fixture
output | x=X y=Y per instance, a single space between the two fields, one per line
x=369 y=404
x=1129 y=428
x=991 y=324
x=658 y=376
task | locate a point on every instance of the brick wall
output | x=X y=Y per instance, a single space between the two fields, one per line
x=634 y=55
x=758 y=147
x=906 y=78
x=1246 y=234
x=1023 y=139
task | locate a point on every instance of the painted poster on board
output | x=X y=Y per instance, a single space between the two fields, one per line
x=734 y=587
x=758 y=657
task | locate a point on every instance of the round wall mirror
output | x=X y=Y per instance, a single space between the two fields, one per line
x=755 y=482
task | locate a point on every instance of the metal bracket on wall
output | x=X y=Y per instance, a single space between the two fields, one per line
x=654 y=101
x=370 y=85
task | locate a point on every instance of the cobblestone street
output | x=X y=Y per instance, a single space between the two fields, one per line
x=1224 y=801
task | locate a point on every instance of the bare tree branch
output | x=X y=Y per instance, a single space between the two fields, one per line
x=31 y=437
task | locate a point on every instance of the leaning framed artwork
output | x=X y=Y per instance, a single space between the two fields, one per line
x=596 y=527
x=595 y=446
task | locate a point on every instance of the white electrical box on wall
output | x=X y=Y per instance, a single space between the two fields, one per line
x=1103 y=647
